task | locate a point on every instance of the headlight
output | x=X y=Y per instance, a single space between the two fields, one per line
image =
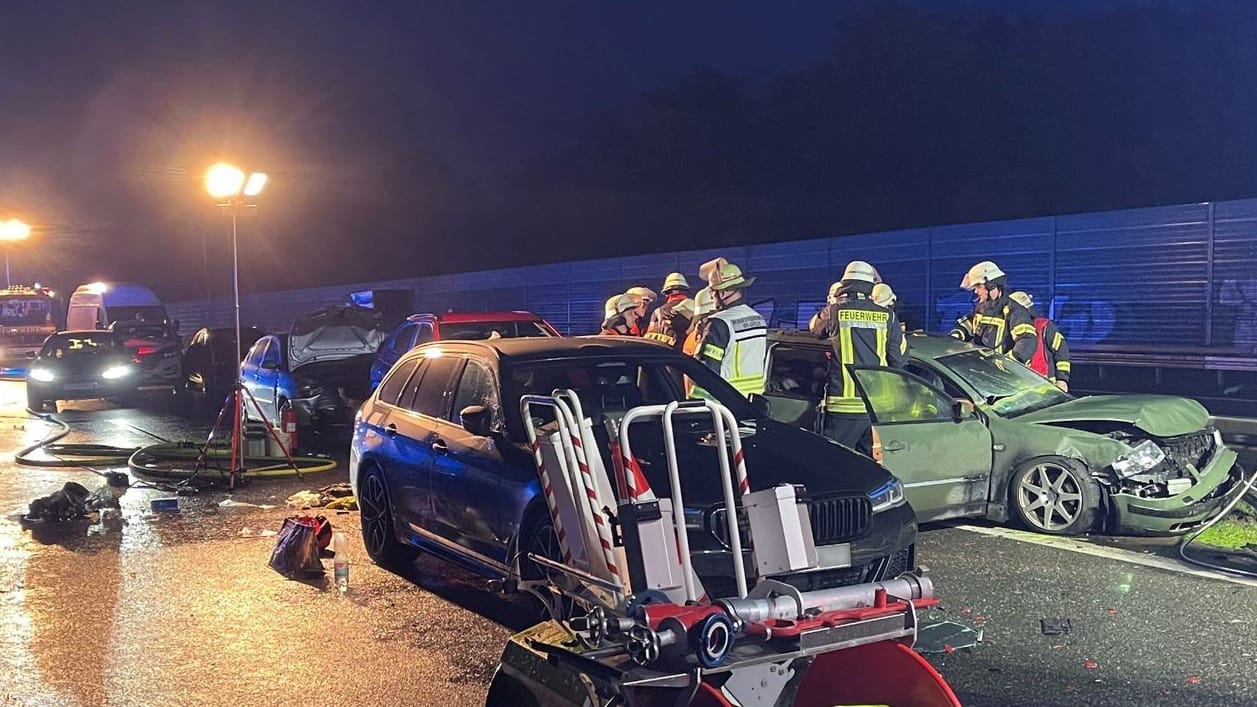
x=1143 y=457
x=115 y=372
x=41 y=374
x=887 y=496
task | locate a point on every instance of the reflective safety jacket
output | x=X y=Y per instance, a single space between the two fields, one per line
x=735 y=346
x=862 y=334
x=1051 y=358
x=1002 y=325
x=668 y=325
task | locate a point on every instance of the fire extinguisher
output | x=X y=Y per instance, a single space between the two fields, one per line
x=288 y=426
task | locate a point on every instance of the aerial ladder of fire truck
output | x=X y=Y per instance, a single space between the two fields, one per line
x=649 y=634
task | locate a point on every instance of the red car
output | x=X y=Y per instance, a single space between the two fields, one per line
x=422 y=328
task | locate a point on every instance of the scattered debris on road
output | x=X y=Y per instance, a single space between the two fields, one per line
x=1054 y=626
x=946 y=637
x=333 y=496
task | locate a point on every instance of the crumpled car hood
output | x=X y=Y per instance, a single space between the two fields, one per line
x=334 y=333
x=1158 y=415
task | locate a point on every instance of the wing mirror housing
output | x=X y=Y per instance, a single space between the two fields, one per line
x=760 y=404
x=962 y=410
x=476 y=419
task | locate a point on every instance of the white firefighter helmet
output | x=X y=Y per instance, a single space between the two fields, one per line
x=728 y=277
x=834 y=289
x=642 y=294
x=981 y=273
x=675 y=281
x=883 y=295
x=1024 y=299
x=685 y=308
x=618 y=304
x=706 y=269
x=704 y=302
x=862 y=271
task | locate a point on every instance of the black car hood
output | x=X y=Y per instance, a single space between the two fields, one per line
x=776 y=453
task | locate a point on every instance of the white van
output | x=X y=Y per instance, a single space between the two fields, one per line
x=100 y=305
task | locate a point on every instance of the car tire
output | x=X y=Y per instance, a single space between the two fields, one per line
x=541 y=539
x=378 y=533
x=1057 y=496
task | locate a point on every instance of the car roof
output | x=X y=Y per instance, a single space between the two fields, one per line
x=923 y=344
x=543 y=347
x=465 y=317
x=85 y=332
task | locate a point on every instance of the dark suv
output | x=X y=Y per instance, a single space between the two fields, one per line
x=422 y=328
x=432 y=469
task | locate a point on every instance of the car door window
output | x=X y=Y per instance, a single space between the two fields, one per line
x=270 y=359
x=474 y=388
x=430 y=395
x=254 y=357
x=896 y=396
x=400 y=340
x=423 y=334
x=797 y=371
x=393 y=385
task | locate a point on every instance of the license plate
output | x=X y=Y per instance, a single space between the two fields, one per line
x=834 y=556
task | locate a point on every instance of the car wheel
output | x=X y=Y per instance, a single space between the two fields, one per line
x=1056 y=496
x=541 y=540
x=377 y=522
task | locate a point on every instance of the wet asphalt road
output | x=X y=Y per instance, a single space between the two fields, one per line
x=181 y=609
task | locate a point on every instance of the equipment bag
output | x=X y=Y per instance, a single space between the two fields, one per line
x=296 y=552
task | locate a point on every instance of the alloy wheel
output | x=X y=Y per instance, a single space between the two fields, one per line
x=1050 y=497
x=376 y=519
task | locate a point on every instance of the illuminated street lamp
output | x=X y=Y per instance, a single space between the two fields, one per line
x=233 y=190
x=12 y=231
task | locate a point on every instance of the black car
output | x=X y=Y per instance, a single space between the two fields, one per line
x=431 y=471
x=210 y=363
x=81 y=365
x=158 y=351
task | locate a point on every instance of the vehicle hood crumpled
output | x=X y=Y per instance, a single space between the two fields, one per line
x=1158 y=415
x=334 y=333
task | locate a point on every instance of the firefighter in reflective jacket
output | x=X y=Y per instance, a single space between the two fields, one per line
x=736 y=342
x=620 y=316
x=671 y=320
x=862 y=333
x=1051 y=358
x=997 y=322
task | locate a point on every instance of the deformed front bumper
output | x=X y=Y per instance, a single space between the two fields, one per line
x=1215 y=487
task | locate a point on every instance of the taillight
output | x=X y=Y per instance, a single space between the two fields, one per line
x=146 y=350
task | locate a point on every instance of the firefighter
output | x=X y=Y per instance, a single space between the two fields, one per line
x=997 y=322
x=862 y=333
x=643 y=297
x=736 y=342
x=883 y=296
x=671 y=321
x=620 y=316
x=1051 y=355
x=704 y=306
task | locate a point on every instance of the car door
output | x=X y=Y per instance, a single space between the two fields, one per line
x=468 y=470
x=796 y=382
x=938 y=448
x=401 y=455
x=268 y=375
x=420 y=410
x=391 y=350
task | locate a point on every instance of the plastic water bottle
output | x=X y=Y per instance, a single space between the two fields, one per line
x=340 y=563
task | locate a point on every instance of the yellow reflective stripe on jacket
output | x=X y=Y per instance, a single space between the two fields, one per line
x=841 y=404
x=1062 y=366
x=713 y=351
x=665 y=338
x=848 y=357
x=881 y=346
x=747 y=384
x=1023 y=330
x=1057 y=341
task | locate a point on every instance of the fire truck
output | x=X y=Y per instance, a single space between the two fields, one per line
x=26 y=320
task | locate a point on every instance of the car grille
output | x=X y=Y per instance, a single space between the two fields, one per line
x=840 y=519
x=896 y=564
x=1194 y=449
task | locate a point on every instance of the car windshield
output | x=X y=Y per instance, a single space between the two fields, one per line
x=473 y=331
x=63 y=346
x=149 y=313
x=24 y=310
x=1008 y=387
x=133 y=330
x=613 y=385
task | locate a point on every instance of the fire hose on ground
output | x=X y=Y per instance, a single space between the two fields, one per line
x=1191 y=537
x=154 y=460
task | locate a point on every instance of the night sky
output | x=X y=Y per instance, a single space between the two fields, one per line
x=411 y=138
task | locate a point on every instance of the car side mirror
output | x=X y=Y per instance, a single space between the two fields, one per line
x=270 y=365
x=962 y=410
x=761 y=405
x=32 y=354
x=476 y=419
